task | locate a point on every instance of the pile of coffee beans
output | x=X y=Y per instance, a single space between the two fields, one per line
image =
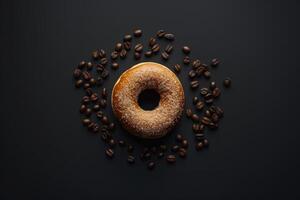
x=90 y=76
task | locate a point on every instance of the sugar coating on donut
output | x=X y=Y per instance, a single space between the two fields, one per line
x=148 y=123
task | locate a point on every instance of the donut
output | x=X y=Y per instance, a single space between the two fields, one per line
x=149 y=124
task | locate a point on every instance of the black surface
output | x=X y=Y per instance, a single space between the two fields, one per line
x=47 y=154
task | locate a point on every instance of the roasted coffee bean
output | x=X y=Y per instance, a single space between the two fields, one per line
x=122 y=143
x=155 y=48
x=160 y=154
x=138 y=48
x=109 y=152
x=208 y=96
x=194 y=84
x=196 y=63
x=148 y=53
x=209 y=101
x=137 y=55
x=115 y=65
x=207 y=113
x=103 y=61
x=127 y=46
x=199 y=146
x=219 y=111
x=186 y=49
x=102 y=103
x=102 y=53
x=77 y=73
x=216 y=92
x=189 y=113
x=165 y=55
x=90 y=126
x=88 y=112
x=104 y=120
x=127 y=38
x=96 y=107
x=169 y=48
x=212 y=85
x=184 y=143
x=137 y=33
x=200 y=105
x=205 y=120
x=79 y=83
x=130 y=148
x=192 y=74
x=196 y=128
x=175 y=148
x=131 y=159
x=111 y=126
x=186 y=60
x=169 y=36
x=118 y=47
x=112 y=142
x=204 y=91
x=104 y=136
x=86 y=85
x=195 y=100
x=179 y=137
x=93 y=81
x=182 y=152
x=94 y=97
x=99 y=114
x=86 y=121
x=123 y=53
x=96 y=128
x=214 y=118
x=200 y=70
x=207 y=74
x=86 y=75
x=82 y=64
x=227 y=82
x=105 y=73
x=195 y=117
x=151 y=165
x=114 y=55
x=177 y=68
x=89 y=66
x=205 y=142
x=199 y=136
x=163 y=147
x=104 y=93
x=146 y=155
x=99 y=68
x=152 y=41
x=160 y=33
x=85 y=99
x=82 y=108
x=171 y=158
x=215 y=62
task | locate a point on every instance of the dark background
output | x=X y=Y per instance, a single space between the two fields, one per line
x=47 y=154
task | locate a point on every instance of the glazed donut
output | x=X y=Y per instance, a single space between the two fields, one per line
x=154 y=123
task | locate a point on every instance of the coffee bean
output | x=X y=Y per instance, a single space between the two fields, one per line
x=127 y=46
x=207 y=74
x=77 y=73
x=205 y=120
x=88 y=112
x=195 y=100
x=163 y=147
x=186 y=60
x=196 y=128
x=82 y=64
x=214 y=117
x=79 y=83
x=199 y=146
x=148 y=53
x=194 y=84
x=155 y=48
x=137 y=33
x=212 y=85
x=99 y=68
x=215 y=62
x=130 y=148
x=175 y=148
x=105 y=73
x=169 y=48
x=91 y=126
x=205 y=142
x=109 y=152
x=227 y=82
x=199 y=136
x=200 y=105
x=216 y=92
x=85 y=99
x=160 y=33
x=89 y=91
x=82 y=108
x=123 y=53
x=127 y=38
x=186 y=49
x=118 y=47
x=204 y=91
x=103 y=61
x=165 y=55
x=94 y=97
x=219 y=111
x=138 y=48
x=151 y=165
x=182 y=152
x=102 y=103
x=115 y=65
x=95 y=128
x=86 y=85
x=96 y=107
x=189 y=113
x=200 y=70
x=146 y=155
x=179 y=137
x=93 y=82
x=111 y=126
x=171 y=158
x=99 y=114
x=104 y=93
x=137 y=55
x=89 y=66
x=196 y=63
x=101 y=53
x=114 y=55
x=195 y=117
x=160 y=154
x=86 y=75
x=122 y=143
x=184 y=143
x=131 y=159
x=177 y=68
x=192 y=74
x=112 y=142
x=104 y=120
x=86 y=121
x=169 y=36
x=152 y=41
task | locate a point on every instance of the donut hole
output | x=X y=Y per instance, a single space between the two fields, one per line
x=148 y=99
